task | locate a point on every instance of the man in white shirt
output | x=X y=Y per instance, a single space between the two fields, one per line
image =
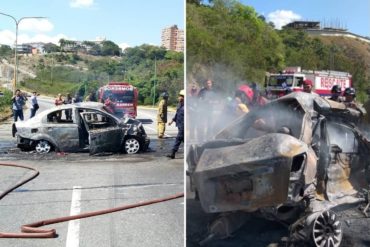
x=34 y=104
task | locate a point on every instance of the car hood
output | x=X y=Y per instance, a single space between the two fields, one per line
x=245 y=176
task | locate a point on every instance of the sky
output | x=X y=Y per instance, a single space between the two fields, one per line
x=127 y=23
x=353 y=15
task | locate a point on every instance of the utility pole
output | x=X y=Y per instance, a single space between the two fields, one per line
x=16 y=45
x=155 y=78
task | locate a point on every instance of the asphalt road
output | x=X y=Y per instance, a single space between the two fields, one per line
x=105 y=182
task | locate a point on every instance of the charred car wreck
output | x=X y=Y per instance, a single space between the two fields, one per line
x=299 y=160
x=80 y=127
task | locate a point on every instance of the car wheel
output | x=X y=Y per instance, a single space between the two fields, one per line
x=131 y=145
x=327 y=230
x=43 y=147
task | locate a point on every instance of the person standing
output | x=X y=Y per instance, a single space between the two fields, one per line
x=68 y=100
x=18 y=102
x=205 y=107
x=308 y=87
x=110 y=105
x=34 y=104
x=59 y=100
x=162 y=115
x=350 y=100
x=179 y=119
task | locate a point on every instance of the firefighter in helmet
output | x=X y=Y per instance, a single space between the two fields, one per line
x=350 y=100
x=336 y=91
x=162 y=115
x=349 y=95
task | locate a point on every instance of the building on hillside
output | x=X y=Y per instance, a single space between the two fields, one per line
x=37 y=47
x=303 y=25
x=334 y=29
x=24 y=48
x=173 y=38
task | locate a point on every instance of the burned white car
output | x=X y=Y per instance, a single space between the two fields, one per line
x=298 y=160
x=80 y=127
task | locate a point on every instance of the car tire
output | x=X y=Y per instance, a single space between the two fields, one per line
x=43 y=147
x=131 y=145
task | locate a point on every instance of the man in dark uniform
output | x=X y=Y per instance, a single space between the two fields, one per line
x=336 y=91
x=350 y=101
x=179 y=119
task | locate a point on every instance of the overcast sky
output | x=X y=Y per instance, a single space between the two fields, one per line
x=125 y=22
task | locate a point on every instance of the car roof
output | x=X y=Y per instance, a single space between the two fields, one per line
x=87 y=105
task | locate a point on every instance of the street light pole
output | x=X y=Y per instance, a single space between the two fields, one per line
x=155 y=78
x=16 y=44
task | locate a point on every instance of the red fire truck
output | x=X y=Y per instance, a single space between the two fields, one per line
x=291 y=79
x=123 y=98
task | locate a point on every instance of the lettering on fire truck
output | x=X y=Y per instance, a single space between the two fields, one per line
x=328 y=82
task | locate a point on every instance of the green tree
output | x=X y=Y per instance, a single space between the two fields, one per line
x=110 y=49
x=50 y=47
x=5 y=51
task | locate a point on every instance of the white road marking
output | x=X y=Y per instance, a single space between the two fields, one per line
x=73 y=235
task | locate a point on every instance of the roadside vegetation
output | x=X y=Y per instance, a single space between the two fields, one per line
x=231 y=42
x=151 y=69
x=5 y=103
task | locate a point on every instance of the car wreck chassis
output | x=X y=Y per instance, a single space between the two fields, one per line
x=299 y=160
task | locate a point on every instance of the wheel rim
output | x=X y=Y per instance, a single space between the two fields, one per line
x=43 y=147
x=132 y=146
x=327 y=230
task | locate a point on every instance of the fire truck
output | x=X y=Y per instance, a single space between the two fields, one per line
x=123 y=98
x=291 y=80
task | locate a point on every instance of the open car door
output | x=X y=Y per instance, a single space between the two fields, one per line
x=105 y=135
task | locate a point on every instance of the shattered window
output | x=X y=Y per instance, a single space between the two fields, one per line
x=97 y=120
x=60 y=116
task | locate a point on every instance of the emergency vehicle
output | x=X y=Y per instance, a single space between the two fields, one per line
x=124 y=97
x=291 y=79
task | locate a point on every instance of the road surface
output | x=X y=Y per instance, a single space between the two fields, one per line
x=78 y=182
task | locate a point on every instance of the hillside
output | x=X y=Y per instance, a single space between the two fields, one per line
x=233 y=44
x=151 y=69
x=353 y=48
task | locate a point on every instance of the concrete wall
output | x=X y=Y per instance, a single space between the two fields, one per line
x=337 y=33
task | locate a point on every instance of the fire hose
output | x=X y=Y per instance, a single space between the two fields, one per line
x=32 y=231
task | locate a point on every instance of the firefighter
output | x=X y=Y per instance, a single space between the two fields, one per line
x=350 y=100
x=179 y=119
x=162 y=115
x=336 y=91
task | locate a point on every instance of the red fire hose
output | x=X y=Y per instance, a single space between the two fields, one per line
x=31 y=230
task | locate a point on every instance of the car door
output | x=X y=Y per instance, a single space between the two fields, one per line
x=62 y=131
x=105 y=135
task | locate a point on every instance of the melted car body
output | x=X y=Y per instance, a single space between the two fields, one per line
x=297 y=156
x=80 y=127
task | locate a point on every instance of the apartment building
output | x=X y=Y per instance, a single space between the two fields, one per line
x=173 y=38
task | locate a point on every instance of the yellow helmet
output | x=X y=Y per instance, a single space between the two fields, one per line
x=182 y=92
